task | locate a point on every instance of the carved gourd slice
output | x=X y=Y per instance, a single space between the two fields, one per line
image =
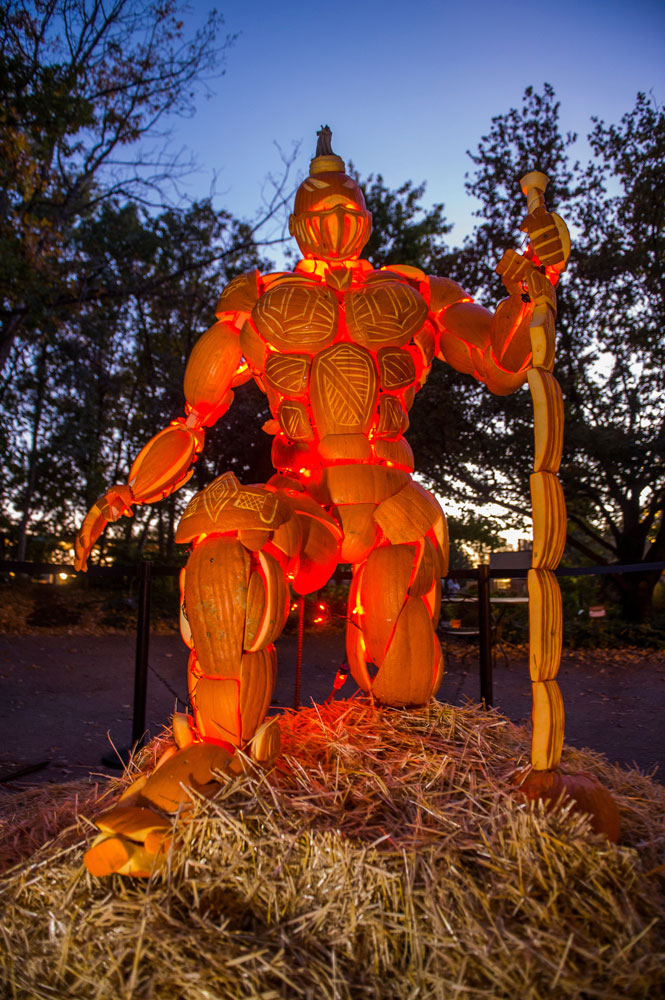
x=345 y=448
x=386 y=580
x=319 y=555
x=216 y=704
x=549 y=520
x=407 y=516
x=191 y=768
x=548 y=420
x=216 y=585
x=211 y=365
x=240 y=294
x=267 y=603
x=427 y=568
x=397 y=453
x=111 y=854
x=405 y=676
x=545 y=624
x=257 y=682
x=393 y=418
x=438 y=666
x=360 y=531
x=541 y=332
x=547 y=717
x=134 y=822
x=297 y=316
x=294 y=420
x=355 y=643
x=253 y=347
x=344 y=484
x=163 y=463
x=344 y=387
x=439 y=531
x=288 y=374
x=387 y=313
x=396 y=368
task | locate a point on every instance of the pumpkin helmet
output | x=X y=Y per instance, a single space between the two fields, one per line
x=330 y=220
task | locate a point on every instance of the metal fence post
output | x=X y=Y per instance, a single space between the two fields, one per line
x=142 y=644
x=301 y=632
x=485 y=637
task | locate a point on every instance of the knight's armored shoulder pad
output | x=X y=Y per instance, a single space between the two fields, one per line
x=412 y=274
x=240 y=295
x=444 y=292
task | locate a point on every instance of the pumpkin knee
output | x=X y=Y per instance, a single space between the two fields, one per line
x=392 y=647
x=231 y=709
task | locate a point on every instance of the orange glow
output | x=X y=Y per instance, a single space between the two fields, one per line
x=318 y=620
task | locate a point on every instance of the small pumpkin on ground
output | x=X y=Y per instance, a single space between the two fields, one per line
x=587 y=794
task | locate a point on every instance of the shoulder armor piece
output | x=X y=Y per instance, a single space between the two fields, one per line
x=240 y=294
x=406 y=271
x=445 y=292
x=286 y=278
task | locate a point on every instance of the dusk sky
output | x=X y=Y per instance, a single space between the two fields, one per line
x=408 y=88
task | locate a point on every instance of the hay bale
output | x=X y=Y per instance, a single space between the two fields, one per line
x=383 y=857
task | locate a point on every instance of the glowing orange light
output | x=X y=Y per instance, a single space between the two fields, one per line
x=322 y=607
x=318 y=620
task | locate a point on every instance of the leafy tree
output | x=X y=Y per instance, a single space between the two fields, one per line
x=84 y=86
x=610 y=350
x=92 y=391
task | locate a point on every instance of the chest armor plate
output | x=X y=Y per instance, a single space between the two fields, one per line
x=343 y=389
x=384 y=313
x=297 y=315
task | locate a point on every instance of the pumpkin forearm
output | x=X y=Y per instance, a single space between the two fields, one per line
x=165 y=464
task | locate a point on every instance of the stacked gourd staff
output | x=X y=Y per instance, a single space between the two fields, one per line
x=547 y=503
x=548 y=510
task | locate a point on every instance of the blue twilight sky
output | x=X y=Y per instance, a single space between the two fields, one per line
x=408 y=88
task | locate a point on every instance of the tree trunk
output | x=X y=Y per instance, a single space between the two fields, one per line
x=31 y=480
x=636 y=594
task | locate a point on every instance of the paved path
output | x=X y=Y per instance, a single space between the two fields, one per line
x=61 y=695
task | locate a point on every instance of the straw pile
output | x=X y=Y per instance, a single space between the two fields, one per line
x=385 y=856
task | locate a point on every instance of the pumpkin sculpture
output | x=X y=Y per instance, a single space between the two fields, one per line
x=341 y=350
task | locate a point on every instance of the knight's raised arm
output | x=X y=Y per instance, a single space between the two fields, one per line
x=166 y=462
x=496 y=348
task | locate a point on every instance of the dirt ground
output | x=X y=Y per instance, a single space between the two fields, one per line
x=66 y=700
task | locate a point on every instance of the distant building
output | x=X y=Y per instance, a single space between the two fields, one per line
x=509 y=563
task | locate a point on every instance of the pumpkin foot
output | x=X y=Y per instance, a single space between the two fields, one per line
x=135 y=835
x=586 y=792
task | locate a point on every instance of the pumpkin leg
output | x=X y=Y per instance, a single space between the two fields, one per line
x=236 y=603
x=392 y=647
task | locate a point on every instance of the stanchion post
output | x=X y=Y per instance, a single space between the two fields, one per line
x=301 y=632
x=142 y=645
x=485 y=637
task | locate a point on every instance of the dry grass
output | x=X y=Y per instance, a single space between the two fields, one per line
x=384 y=857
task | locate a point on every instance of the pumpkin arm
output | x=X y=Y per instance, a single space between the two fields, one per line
x=165 y=463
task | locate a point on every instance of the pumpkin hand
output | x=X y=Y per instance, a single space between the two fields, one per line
x=115 y=502
x=549 y=237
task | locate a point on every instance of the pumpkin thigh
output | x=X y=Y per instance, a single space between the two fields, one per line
x=236 y=602
x=392 y=647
